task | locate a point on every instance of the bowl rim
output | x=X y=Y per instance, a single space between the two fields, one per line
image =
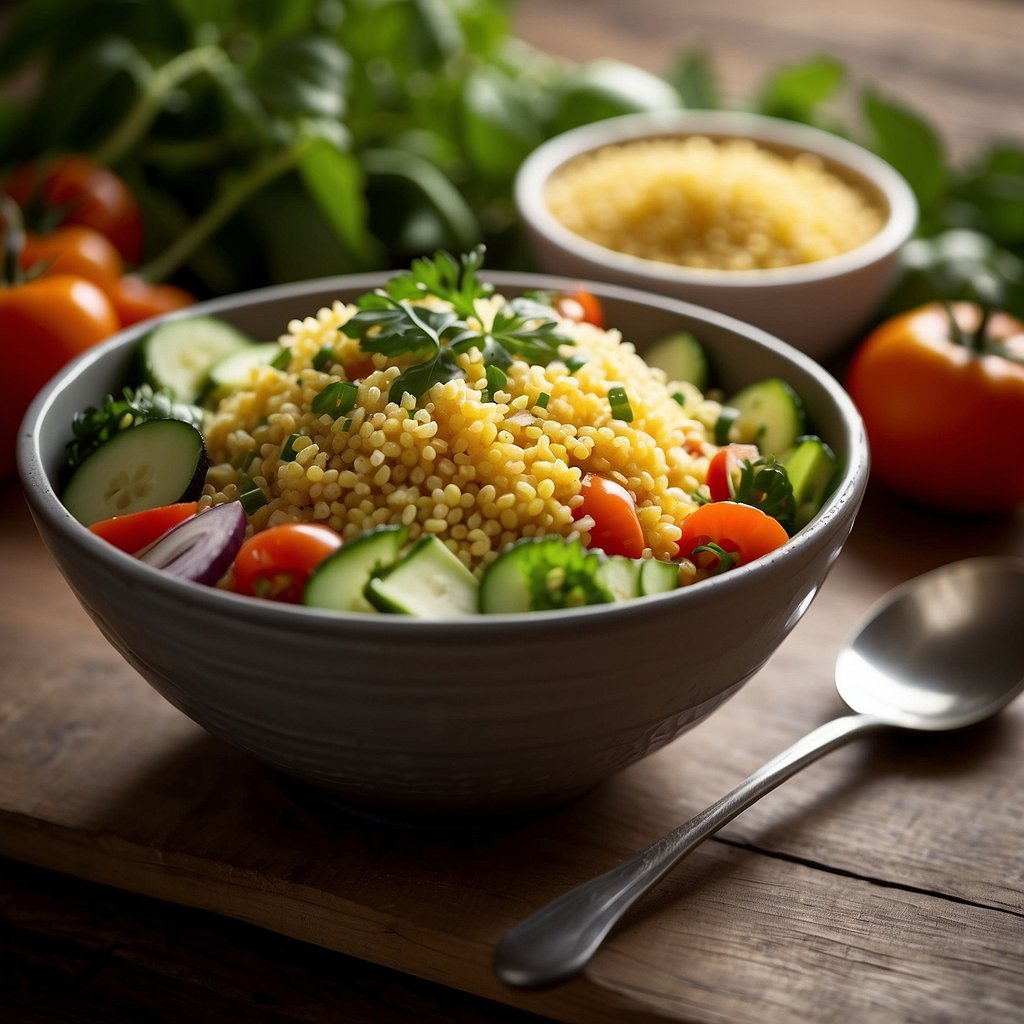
x=45 y=504
x=551 y=155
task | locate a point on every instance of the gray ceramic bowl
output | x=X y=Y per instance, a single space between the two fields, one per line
x=816 y=307
x=487 y=716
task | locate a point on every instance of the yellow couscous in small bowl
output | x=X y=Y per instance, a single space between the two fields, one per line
x=778 y=224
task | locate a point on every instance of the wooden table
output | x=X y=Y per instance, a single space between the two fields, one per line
x=883 y=884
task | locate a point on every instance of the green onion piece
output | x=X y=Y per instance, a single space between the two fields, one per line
x=243 y=461
x=281 y=359
x=347 y=425
x=573 y=363
x=619 y=401
x=542 y=400
x=288 y=452
x=250 y=494
x=723 y=425
x=324 y=358
x=336 y=399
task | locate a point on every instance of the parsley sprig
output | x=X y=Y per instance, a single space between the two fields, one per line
x=391 y=321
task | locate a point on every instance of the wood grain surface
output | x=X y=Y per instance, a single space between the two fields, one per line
x=151 y=873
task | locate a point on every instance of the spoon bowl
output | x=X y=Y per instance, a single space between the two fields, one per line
x=942 y=651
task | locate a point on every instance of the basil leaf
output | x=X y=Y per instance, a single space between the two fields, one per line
x=798 y=90
x=693 y=76
x=302 y=76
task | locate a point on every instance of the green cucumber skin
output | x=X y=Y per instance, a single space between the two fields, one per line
x=771 y=415
x=503 y=587
x=682 y=357
x=813 y=470
x=176 y=356
x=428 y=582
x=167 y=459
x=338 y=583
x=657 y=577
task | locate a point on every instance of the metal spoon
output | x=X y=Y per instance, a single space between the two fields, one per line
x=942 y=651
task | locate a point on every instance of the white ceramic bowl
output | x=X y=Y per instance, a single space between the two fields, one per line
x=500 y=713
x=818 y=307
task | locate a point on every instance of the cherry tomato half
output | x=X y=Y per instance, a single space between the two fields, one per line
x=275 y=563
x=743 y=532
x=581 y=306
x=136 y=299
x=617 y=529
x=724 y=467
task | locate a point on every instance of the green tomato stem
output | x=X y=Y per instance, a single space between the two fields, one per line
x=230 y=200
x=147 y=107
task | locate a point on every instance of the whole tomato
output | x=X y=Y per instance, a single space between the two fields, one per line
x=43 y=324
x=71 y=189
x=941 y=392
x=136 y=299
x=72 y=250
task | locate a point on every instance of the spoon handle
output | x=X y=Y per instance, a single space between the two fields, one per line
x=558 y=940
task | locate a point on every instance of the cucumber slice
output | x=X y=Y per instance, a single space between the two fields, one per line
x=177 y=355
x=621 y=577
x=159 y=462
x=771 y=416
x=542 y=573
x=339 y=581
x=813 y=468
x=429 y=582
x=727 y=419
x=233 y=371
x=658 y=577
x=682 y=357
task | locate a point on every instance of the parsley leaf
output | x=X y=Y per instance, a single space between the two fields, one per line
x=391 y=322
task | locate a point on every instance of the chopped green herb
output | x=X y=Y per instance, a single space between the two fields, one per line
x=250 y=494
x=496 y=381
x=542 y=400
x=324 y=358
x=243 y=461
x=619 y=401
x=388 y=322
x=281 y=359
x=573 y=363
x=288 y=452
x=347 y=425
x=338 y=398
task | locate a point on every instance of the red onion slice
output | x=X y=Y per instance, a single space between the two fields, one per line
x=201 y=548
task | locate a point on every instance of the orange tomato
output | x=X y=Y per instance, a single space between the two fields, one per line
x=943 y=406
x=136 y=299
x=72 y=250
x=742 y=532
x=724 y=468
x=276 y=563
x=74 y=190
x=43 y=324
x=617 y=529
x=138 y=530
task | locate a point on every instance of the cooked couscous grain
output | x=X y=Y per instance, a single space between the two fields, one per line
x=476 y=469
x=726 y=205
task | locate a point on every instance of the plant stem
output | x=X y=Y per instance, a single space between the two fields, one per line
x=147 y=107
x=216 y=214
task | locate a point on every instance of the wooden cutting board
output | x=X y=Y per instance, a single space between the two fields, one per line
x=885 y=882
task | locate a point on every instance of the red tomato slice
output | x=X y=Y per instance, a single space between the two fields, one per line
x=744 y=532
x=138 y=530
x=275 y=563
x=724 y=465
x=617 y=528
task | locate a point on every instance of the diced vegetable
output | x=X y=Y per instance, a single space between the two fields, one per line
x=658 y=577
x=339 y=582
x=771 y=415
x=620 y=576
x=616 y=529
x=429 y=582
x=812 y=467
x=201 y=548
x=682 y=357
x=177 y=355
x=233 y=371
x=724 y=534
x=277 y=562
x=138 y=530
x=159 y=462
